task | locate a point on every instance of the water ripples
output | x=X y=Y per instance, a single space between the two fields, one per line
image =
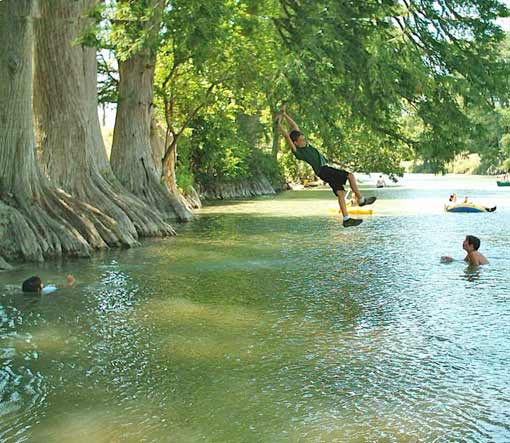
x=267 y=321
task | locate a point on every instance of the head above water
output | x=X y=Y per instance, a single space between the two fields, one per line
x=471 y=243
x=32 y=284
x=297 y=138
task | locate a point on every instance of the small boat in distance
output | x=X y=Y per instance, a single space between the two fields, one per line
x=503 y=183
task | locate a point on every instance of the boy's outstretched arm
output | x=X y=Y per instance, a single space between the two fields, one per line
x=291 y=122
x=286 y=135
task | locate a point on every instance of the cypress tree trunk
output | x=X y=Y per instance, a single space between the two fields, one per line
x=157 y=134
x=190 y=198
x=36 y=220
x=67 y=123
x=169 y=167
x=131 y=158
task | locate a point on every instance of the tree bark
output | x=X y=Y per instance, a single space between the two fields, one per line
x=157 y=137
x=68 y=130
x=131 y=157
x=169 y=168
x=191 y=197
x=36 y=220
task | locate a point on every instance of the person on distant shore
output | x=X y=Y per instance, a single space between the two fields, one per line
x=34 y=285
x=336 y=178
x=471 y=245
x=380 y=182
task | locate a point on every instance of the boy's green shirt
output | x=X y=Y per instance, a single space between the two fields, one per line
x=312 y=156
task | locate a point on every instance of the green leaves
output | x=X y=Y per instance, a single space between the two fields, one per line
x=371 y=82
x=384 y=60
x=132 y=25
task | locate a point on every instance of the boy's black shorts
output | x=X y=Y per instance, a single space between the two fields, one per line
x=336 y=178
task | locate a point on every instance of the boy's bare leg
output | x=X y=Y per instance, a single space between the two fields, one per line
x=341 y=203
x=354 y=185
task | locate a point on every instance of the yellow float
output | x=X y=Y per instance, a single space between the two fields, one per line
x=356 y=210
x=360 y=211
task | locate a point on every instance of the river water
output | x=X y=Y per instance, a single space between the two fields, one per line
x=267 y=321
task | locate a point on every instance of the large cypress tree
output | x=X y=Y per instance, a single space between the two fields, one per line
x=36 y=219
x=65 y=103
x=131 y=158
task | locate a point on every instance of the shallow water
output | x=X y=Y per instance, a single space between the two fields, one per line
x=266 y=321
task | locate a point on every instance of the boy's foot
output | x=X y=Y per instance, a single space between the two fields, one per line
x=352 y=222
x=368 y=201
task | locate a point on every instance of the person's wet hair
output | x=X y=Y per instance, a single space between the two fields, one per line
x=473 y=241
x=294 y=134
x=32 y=284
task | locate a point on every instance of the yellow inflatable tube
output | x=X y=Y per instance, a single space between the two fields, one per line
x=355 y=211
x=360 y=211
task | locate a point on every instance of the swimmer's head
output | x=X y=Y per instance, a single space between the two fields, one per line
x=471 y=243
x=32 y=284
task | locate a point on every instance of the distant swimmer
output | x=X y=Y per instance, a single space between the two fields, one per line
x=380 y=182
x=471 y=245
x=335 y=178
x=34 y=285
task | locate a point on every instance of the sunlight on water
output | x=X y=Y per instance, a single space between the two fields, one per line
x=266 y=321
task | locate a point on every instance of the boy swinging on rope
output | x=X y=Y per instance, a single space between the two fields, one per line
x=336 y=178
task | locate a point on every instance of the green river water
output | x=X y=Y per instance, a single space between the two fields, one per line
x=266 y=321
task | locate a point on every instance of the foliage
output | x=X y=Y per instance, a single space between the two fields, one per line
x=185 y=178
x=107 y=78
x=371 y=83
x=207 y=54
x=213 y=60
x=223 y=153
x=369 y=63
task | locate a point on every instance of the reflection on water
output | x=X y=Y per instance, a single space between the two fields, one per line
x=265 y=320
x=472 y=273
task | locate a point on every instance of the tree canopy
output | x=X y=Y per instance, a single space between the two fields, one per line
x=372 y=82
